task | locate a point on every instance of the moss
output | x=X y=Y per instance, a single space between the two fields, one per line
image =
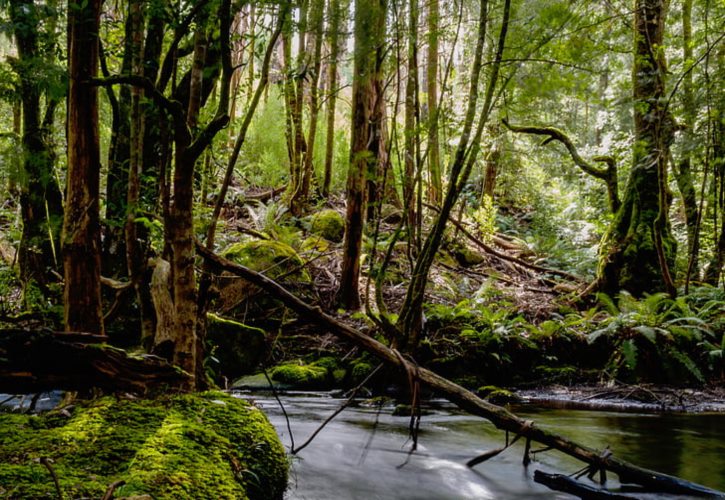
x=207 y=445
x=497 y=395
x=329 y=224
x=300 y=376
x=316 y=244
x=360 y=371
x=238 y=348
x=274 y=258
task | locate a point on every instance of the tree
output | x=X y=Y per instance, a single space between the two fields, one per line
x=639 y=250
x=40 y=197
x=435 y=186
x=81 y=239
x=369 y=26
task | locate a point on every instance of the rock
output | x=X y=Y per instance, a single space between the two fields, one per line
x=180 y=446
x=238 y=347
x=329 y=224
x=301 y=376
x=497 y=395
x=274 y=259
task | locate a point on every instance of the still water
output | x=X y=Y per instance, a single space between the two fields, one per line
x=364 y=452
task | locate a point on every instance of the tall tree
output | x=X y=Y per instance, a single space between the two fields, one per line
x=333 y=35
x=81 y=239
x=682 y=169
x=369 y=27
x=435 y=188
x=40 y=199
x=639 y=250
x=410 y=322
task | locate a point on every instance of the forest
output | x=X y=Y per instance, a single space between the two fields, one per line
x=212 y=207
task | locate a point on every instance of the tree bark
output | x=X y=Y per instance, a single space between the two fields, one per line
x=81 y=224
x=368 y=29
x=639 y=250
x=435 y=186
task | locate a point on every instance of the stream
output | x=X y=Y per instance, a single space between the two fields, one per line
x=363 y=452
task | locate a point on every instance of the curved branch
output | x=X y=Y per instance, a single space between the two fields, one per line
x=608 y=174
x=173 y=107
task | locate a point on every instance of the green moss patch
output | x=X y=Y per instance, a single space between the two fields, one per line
x=329 y=224
x=207 y=445
x=273 y=258
x=301 y=376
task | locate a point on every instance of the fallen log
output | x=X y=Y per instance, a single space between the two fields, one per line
x=36 y=361
x=560 y=482
x=464 y=399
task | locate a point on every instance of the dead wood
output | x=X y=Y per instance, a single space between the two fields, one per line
x=35 y=361
x=560 y=482
x=464 y=399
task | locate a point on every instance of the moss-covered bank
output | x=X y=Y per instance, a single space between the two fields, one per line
x=191 y=446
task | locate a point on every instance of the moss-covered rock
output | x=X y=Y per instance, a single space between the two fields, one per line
x=274 y=259
x=329 y=224
x=301 y=376
x=207 y=445
x=360 y=371
x=239 y=348
x=497 y=395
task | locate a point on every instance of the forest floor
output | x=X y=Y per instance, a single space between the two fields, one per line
x=496 y=317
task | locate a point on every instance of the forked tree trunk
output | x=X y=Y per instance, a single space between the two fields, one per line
x=81 y=224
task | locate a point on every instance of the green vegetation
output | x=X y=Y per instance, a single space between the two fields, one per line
x=207 y=445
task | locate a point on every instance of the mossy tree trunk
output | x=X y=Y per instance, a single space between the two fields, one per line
x=81 y=224
x=40 y=198
x=639 y=249
x=435 y=186
x=369 y=27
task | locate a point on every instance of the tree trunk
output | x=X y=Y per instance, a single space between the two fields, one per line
x=683 y=168
x=411 y=313
x=639 y=250
x=411 y=132
x=40 y=198
x=368 y=29
x=335 y=15
x=81 y=224
x=316 y=23
x=435 y=186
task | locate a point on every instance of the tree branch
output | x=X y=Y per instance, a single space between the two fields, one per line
x=173 y=107
x=608 y=174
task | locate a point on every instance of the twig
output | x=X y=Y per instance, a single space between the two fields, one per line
x=46 y=463
x=337 y=411
x=111 y=488
x=286 y=417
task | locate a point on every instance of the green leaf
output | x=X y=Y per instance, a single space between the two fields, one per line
x=629 y=350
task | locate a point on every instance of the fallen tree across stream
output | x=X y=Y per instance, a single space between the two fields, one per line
x=597 y=462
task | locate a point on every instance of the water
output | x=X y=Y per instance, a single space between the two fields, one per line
x=355 y=458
